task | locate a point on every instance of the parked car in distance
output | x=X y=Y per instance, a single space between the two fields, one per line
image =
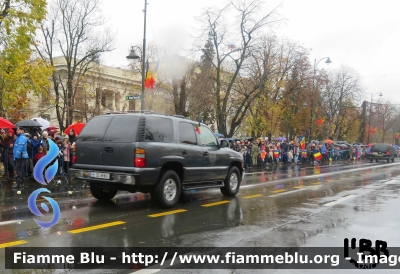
x=156 y=153
x=381 y=151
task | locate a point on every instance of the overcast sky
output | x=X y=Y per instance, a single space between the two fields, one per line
x=361 y=34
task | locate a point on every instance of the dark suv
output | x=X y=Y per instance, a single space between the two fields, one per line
x=154 y=153
x=381 y=152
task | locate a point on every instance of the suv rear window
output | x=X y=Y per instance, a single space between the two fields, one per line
x=122 y=129
x=94 y=130
x=380 y=147
x=158 y=130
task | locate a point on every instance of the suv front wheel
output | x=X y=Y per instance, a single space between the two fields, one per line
x=102 y=194
x=168 y=189
x=231 y=183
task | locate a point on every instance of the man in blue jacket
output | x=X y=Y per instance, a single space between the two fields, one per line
x=20 y=157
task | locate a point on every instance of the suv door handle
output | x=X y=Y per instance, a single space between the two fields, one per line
x=108 y=149
x=184 y=152
x=205 y=153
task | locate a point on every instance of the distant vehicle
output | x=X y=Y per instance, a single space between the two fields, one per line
x=381 y=152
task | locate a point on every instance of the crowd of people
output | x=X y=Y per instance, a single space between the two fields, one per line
x=261 y=153
x=21 y=150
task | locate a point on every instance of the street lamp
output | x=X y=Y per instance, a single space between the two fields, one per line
x=328 y=61
x=133 y=55
x=370 y=111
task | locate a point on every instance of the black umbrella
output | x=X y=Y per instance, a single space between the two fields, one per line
x=28 y=123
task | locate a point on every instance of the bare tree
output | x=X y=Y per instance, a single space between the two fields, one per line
x=386 y=117
x=74 y=28
x=340 y=95
x=228 y=62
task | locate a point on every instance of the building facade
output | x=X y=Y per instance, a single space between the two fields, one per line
x=99 y=90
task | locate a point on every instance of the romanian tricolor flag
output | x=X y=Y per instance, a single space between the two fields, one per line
x=276 y=153
x=198 y=125
x=304 y=154
x=302 y=142
x=317 y=156
x=320 y=121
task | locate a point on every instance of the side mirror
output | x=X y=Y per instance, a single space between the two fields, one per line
x=224 y=143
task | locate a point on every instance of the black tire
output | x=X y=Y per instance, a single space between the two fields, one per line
x=388 y=160
x=376 y=160
x=168 y=190
x=393 y=159
x=370 y=160
x=102 y=194
x=232 y=182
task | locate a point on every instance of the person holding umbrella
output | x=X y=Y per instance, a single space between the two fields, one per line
x=20 y=157
x=8 y=144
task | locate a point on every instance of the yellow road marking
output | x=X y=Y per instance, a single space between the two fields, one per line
x=252 y=196
x=298 y=186
x=316 y=183
x=167 y=213
x=89 y=228
x=13 y=243
x=279 y=190
x=216 y=203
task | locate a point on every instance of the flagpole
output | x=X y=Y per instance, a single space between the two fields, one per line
x=328 y=61
x=143 y=58
x=370 y=112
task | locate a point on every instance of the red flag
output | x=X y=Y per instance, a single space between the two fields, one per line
x=198 y=129
x=320 y=121
x=151 y=82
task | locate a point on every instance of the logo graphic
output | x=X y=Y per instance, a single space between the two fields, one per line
x=43 y=167
x=32 y=206
x=365 y=261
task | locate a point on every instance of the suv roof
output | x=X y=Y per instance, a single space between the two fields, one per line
x=136 y=112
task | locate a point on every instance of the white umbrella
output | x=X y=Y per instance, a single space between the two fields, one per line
x=41 y=121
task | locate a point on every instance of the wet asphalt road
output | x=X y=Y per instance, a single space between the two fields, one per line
x=279 y=206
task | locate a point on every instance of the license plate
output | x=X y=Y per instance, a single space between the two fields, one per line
x=99 y=175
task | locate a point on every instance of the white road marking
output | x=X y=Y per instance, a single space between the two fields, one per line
x=9 y=222
x=146 y=271
x=341 y=200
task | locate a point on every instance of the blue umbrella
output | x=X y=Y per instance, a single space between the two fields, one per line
x=395 y=146
x=280 y=139
x=219 y=135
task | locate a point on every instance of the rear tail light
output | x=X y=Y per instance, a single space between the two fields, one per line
x=387 y=152
x=140 y=157
x=74 y=156
x=370 y=152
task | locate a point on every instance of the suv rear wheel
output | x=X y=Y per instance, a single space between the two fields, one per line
x=231 y=183
x=168 y=189
x=102 y=194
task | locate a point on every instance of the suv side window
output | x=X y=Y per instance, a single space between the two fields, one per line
x=158 y=130
x=122 y=129
x=187 y=135
x=95 y=129
x=207 y=138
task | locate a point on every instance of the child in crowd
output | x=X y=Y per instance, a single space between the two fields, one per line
x=38 y=155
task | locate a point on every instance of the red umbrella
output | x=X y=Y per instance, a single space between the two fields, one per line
x=4 y=123
x=77 y=127
x=51 y=127
x=370 y=145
